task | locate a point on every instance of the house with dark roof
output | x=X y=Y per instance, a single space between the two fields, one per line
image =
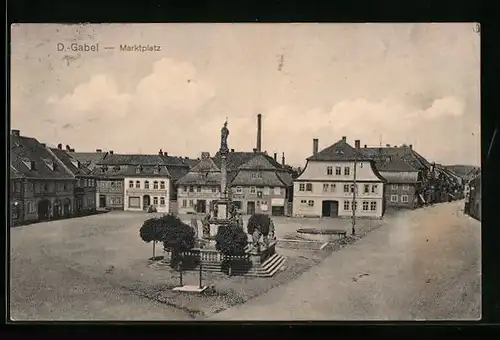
x=45 y=187
x=338 y=181
x=135 y=182
x=85 y=185
x=257 y=183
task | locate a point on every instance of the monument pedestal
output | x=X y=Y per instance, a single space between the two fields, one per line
x=259 y=257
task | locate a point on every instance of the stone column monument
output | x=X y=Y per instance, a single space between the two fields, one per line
x=223 y=203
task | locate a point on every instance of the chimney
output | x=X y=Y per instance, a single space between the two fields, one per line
x=259 y=132
x=16 y=133
x=71 y=150
x=344 y=138
x=59 y=146
x=283 y=159
x=388 y=145
x=98 y=150
x=357 y=143
x=68 y=148
x=165 y=153
x=315 y=146
x=411 y=147
x=111 y=152
x=44 y=145
x=254 y=150
x=299 y=169
x=160 y=153
x=232 y=150
x=275 y=157
x=365 y=146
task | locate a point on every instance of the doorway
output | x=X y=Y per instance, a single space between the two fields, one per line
x=67 y=207
x=251 y=208
x=330 y=209
x=57 y=209
x=146 y=202
x=102 y=201
x=43 y=210
x=201 y=206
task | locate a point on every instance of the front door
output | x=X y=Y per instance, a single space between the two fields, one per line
x=146 y=200
x=251 y=208
x=334 y=209
x=201 y=206
x=43 y=210
x=102 y=201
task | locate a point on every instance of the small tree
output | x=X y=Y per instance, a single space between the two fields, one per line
x=152 y=230
x=179 y=237
x=260 y=222
x=231 y=241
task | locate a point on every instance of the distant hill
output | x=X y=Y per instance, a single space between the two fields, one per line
x=462 y=170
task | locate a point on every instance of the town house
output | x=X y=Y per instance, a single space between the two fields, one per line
x=45 y=185
x=85 y=184
x=325 y=188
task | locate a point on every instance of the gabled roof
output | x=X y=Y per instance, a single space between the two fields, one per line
x=122 y=171
x=14 y=174
x=205 y=165
x=258 y=162
x=396 y=158
x=234 y=159
x=88 y=159
x=24 y=150
x=134 y=159
x=73 y=164
x=201 y=178
x=340 y=151
x=400 y=177
x=267 y=178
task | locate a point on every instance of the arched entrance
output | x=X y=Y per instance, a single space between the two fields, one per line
x=146 y=202
x=67 y=207
x=43 y=210
x=330 y=209
x=57 y=210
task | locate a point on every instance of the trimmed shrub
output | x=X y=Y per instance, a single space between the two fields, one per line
x=152 y=230
x=179 y=237
x=231 y=240
x=260 y=222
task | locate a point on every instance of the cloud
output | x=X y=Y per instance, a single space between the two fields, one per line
x=172 y=88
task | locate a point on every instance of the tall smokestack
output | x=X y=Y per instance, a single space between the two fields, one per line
x=315 y=146
x=259 y=132
x=283 y=159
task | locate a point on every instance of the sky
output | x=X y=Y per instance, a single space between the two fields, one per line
x=383 y=84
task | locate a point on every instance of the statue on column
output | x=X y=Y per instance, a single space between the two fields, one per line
x=223 y=139
x=205 y=222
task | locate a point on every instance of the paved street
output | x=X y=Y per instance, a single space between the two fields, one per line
x=426 y=266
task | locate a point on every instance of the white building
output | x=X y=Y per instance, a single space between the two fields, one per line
x=326 y=185
x=144 y=191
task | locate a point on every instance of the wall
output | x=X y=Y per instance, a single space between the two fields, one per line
x=186 y=199
x=399 y=190
x=34 y=192
x=263 y=204
x=155 y=195
x=316 y=170
x=113 y=190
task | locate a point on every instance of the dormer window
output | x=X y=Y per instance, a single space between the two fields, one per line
x=49 y=163
x=116 y=168
x=339 y=152
x=256 y=175
x=138 y=169
x=75 y=163
x=156 y=170
x=388 y=159
x=29 y=164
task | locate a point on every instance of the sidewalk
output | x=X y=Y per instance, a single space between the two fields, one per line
x=425 y=265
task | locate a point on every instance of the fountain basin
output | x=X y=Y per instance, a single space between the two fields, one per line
x=321 y=235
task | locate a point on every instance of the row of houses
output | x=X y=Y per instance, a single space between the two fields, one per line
x=55 y=182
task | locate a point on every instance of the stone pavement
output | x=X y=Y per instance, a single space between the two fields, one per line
x=423 y=266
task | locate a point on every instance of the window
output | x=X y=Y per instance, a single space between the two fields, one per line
x=329 y=170
x=277 y=190
x=185 y=188
x=198 y=189
x=258 y=203
x=118 y=200
x=45 y=187
x=113 y=185
x=184 y=203
x=338 y=171
x=239 y=190
x=162 y=201
x=325 y=187
x=310 y=203
x=309 y=187
x=394 y=198
x=252 y=190
x=155 y=185
x=394 y=187
x=86 y=183
x=303 y=202
x=346 y=205
x=373 y=205
x=191 y=203
x=156 y=170
x=162 y=185
x=191 y=188
x=374 y=189
x=155 y=200
x=366 y=188
x=404 y=198
x=365 y=206
x=347 y=171
x=137 y=184
x=346 y=188
x=138 y=170
x=352 y=188
x=302 y=187
x=134 y=202
x=256 y=175
x=146 y=184
x=118 y=185
x=214 y=189
x=333 y=187
x=406 y=187
x=266 y=190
